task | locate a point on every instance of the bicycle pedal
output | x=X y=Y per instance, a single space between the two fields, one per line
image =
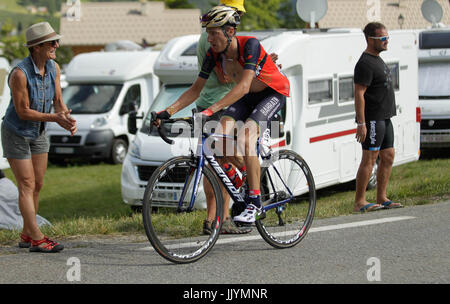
x=261 y=216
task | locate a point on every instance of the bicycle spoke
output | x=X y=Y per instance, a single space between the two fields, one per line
x=177 y=233
x=288 y=196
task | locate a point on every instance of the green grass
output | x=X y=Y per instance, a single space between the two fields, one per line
x=12 y=6
x=86 y=199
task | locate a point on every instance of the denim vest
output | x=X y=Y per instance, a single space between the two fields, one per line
x=41 y=91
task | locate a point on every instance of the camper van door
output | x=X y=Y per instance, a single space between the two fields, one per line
x=4 y=101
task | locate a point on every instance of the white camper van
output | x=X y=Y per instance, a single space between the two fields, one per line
x=318 y=121
x=103 y=87
x=434 y=87
x=4 y=102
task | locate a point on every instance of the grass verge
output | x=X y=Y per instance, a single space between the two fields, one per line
x=86 y=199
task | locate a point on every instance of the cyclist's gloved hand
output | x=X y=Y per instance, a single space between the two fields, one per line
x=163 y=115
x=160 y=115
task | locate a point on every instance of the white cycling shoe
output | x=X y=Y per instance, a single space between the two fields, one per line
x=248 y=215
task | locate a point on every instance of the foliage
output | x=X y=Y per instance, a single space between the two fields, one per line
x=12 y=46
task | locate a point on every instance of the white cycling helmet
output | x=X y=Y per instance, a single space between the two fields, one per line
x=220 y=16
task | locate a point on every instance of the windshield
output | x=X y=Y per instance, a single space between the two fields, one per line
x=91 y=98
x=434 y=78
x=168 y=95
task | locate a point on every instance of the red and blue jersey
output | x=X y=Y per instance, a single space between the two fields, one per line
x=251 y=56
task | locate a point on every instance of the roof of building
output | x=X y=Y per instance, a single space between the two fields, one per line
x=357 y=13
x=99 y=23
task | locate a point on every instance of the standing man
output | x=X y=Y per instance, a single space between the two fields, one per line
x=35 y=84
x=216 y=87
x=374 y=106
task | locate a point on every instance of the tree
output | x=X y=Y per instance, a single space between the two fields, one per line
x=178 y=4
x=270 y=14
x=288 y=15
x=260 y=15
x=12 y=46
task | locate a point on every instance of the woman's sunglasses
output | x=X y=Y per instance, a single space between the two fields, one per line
x=53 y=42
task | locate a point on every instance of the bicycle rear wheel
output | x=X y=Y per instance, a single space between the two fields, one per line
x=177 y=233
x=289 y=197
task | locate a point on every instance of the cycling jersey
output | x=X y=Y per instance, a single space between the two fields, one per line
x=251 y=56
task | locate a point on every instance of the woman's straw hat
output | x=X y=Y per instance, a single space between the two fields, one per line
x=39 y=33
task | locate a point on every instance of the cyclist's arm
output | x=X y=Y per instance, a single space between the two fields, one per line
x=187 y=97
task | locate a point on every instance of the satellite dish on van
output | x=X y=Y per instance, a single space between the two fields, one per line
x=432 y=11
x=312 y=10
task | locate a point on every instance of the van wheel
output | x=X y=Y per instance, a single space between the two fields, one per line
x=373 y=177
x=118 y=151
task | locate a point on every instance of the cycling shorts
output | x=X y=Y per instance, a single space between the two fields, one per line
x=380 y=135
x=260 y=107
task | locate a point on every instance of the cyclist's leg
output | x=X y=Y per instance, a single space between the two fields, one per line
x=266 y=104
x=246 y=143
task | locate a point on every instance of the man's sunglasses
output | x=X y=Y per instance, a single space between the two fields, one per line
x=384 y=38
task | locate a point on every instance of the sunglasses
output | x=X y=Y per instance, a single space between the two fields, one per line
x=384 y=38
x=52 y=43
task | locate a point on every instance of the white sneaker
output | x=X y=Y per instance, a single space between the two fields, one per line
x=248 y=215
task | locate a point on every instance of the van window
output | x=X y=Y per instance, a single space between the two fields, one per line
x=191 y=51
x=434 y=40
x=166 y=96
x=346 y=89
x=394 y=67
x=132 y=100
x=320 y=91
x=434 y=79
x=91 y=98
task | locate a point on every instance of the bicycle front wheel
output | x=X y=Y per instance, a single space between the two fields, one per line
x=288 y=196
x=176 y=230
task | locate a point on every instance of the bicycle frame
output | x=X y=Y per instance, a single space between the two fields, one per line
x=203 y=153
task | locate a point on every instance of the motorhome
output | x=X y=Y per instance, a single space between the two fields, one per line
x=434 y=88
x=4 y=102
x=102 y=88
x=318 y=121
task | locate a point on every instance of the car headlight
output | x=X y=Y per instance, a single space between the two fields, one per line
x=99 y=122
x=134 y=150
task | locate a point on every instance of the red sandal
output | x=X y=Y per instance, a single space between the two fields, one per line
x=50 y=246
x=25 y=241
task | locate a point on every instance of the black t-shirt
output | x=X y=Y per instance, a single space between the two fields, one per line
x=371 y=71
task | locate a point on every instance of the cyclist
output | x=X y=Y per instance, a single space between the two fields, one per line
x=216 y=87
x=258 y=95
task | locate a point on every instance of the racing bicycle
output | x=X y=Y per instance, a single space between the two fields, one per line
x=288 y=197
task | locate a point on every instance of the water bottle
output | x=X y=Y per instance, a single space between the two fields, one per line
x=233 y=175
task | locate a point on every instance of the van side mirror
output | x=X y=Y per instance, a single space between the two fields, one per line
x=127 y=108
x=132 y=125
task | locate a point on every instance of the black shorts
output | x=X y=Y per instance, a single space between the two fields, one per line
x=380 y=135
x=260 y=107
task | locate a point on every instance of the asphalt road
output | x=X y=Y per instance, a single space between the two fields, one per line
x=408 y=245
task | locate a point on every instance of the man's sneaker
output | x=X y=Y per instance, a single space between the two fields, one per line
x=248 y=215
x=229 y=227
x=45 y=245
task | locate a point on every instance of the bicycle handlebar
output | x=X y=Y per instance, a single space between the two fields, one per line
x=162 y=132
